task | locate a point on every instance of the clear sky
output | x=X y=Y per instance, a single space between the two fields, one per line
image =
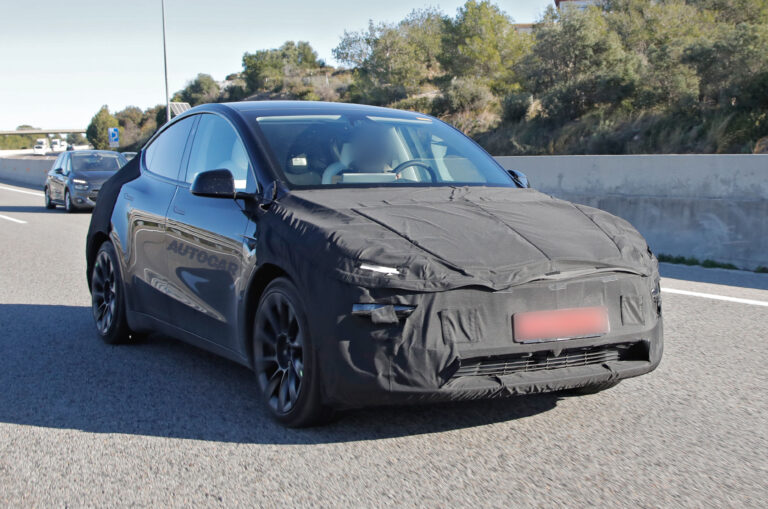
x=61 y=60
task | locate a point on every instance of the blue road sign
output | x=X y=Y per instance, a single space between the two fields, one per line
x=114 y=137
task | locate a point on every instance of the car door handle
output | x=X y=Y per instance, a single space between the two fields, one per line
x=128 y=197
x=178 y=210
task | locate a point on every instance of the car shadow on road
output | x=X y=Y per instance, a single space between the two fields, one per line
x=56 y=373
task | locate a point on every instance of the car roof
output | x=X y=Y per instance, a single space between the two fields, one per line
x=271 y=108
x=89 y=151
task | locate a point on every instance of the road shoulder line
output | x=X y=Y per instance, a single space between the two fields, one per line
x=33 y=193
x=716 y=297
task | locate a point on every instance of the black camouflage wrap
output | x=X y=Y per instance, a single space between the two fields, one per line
x=467 y=260
x=102 y=213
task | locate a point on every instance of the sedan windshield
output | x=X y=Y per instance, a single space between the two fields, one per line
x=96 y=162
x=335 y=150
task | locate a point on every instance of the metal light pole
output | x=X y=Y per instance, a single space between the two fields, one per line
x=165 y=66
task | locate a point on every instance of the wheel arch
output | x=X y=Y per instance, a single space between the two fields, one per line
x=92 y=250
x=264 y=275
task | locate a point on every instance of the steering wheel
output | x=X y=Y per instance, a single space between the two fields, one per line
x=331 y=171
x=413 y=162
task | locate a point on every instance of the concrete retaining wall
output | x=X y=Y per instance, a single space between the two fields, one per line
x=29 y=170
x=707 y=206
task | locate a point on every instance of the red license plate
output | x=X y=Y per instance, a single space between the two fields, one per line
x=536 y=326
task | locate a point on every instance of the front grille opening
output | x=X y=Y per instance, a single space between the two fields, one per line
x=545 y=361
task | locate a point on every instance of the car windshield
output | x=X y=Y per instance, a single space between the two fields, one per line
x=336 y=150
x=96 y=162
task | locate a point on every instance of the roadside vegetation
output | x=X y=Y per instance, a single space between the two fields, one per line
x=709 y=264
x=624 y=77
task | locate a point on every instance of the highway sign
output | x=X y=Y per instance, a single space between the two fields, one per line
x=114 y=137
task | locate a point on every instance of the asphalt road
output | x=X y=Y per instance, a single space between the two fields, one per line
x=163 y=424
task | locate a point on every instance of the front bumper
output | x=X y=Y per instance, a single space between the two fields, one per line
x=458 y=344
x=84 y=198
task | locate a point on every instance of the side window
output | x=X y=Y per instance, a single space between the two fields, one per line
x=164 y=155
x=66 y=164
x=57 y=162
x=217 y=146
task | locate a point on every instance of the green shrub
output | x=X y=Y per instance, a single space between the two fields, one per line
x=680 y=260
x=463 y=94
x=515 y=107
x=712 y=264
x=422 y=104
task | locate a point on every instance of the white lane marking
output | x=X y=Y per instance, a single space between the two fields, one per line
x=716 y=297
x=33 y=193
x=12 y=219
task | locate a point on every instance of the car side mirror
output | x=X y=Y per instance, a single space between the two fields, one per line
x=59 y=171
x=214 y=184
x=520 y=178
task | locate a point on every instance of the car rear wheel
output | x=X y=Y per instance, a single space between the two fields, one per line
x=68 y=202
x=284 y=358
x=108 y=299
x=48 y=203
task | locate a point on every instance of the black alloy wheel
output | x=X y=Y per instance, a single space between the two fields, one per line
x=104 y=293
x=107 y=300
x=283 y=358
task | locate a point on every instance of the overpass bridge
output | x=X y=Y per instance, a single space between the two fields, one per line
x=43 y=131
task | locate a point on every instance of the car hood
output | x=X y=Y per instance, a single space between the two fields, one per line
x=94 y=178
x=432 y=239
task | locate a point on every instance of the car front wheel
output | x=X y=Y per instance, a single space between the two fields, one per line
x=68 y=202
x=108 y=299
x=48 y=203
x=284 y=359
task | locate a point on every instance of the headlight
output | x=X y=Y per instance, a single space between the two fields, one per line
x=80 y=184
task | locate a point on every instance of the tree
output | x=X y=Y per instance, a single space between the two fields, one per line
x=203 y=89
x=739 y=52
x=129 y=120
x=578 y=63
x=482 y=43
x=392 y=61
x=18 y=141
x=76 y=139
x=265 y=70
x=97 y=130
x=736 y=11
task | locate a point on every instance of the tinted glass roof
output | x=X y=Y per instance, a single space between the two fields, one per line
x=315 y=107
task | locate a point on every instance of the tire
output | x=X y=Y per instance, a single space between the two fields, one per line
x=592 y=389
x=68 y=202
x=108 y=299
x=284 y=360
x=48 y=203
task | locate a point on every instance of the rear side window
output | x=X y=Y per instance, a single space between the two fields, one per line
x=57 y=162
x=66 y=164
x=217 y=146
x=164 y=155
